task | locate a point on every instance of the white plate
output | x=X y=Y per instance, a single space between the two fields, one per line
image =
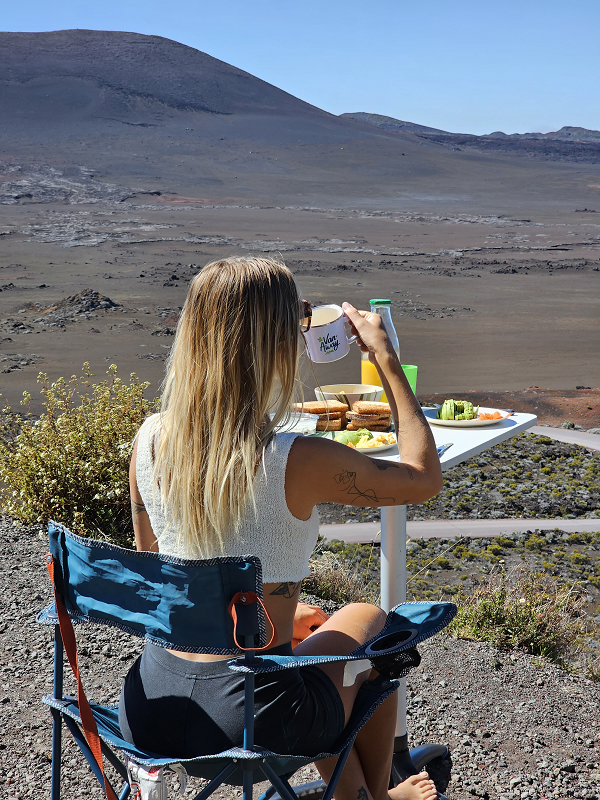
x=368 y=451
x=464 y=423
x=371 y=451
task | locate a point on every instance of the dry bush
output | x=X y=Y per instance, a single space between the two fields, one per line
x=332 y=579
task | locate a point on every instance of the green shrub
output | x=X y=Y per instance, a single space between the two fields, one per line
x=522 y=610
x=534 y=542
x=71 y=464
x=579 y=558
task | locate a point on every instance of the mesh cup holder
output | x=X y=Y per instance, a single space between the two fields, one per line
x=388 y=659
x=390 y=642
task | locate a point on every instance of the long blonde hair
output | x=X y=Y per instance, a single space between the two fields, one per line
x=234 y=361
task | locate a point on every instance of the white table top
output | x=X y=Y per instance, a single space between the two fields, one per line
x=468 y=442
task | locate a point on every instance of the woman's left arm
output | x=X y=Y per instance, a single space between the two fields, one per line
x=307 y=619
x=144 y=535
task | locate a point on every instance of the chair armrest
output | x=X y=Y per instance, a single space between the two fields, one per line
x=278 y=663
x=406 y=626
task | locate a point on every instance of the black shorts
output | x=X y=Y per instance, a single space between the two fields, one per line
x=182 y=708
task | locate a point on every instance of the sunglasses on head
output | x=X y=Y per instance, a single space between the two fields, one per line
x=305 y=315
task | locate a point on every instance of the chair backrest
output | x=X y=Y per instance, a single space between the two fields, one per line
x=174 y=602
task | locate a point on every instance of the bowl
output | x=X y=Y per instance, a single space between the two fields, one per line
x=349 y=392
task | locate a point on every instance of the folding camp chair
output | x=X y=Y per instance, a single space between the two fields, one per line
x=210 y=606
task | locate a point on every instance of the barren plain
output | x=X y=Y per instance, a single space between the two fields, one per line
x=480 y=302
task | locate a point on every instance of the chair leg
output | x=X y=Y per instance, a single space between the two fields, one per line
x=56 y=716
x=85 y=749
x=268 y=794
x=285 y=791
x=56 y=754
x=119 y=767
x=337 y=771
x=247 y=783
x=216 y=782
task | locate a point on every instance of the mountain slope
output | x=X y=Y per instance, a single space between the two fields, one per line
x=392 y=124
x=128 y=67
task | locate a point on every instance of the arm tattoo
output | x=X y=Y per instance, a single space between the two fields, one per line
x=362 y=793
x=137 y=508
x=288 y=589
x=383 y=465
x=348 y=479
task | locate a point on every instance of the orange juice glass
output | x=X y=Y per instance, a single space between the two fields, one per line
x=369 y=374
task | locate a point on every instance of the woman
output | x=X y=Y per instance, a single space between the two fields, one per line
x=209 y=476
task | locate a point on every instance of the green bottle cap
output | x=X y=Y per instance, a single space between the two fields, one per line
x=379 y=302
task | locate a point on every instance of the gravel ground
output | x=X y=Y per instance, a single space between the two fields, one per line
x=528 y=476
x=438 y=567
x=517 y=728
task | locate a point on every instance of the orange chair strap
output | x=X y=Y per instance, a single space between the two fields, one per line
x=245 y=599
x=88 y=723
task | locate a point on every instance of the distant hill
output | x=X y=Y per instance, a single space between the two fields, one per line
x=567 y=133
x=567 y=144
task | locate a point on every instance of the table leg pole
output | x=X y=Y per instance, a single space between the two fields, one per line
x=393 y=581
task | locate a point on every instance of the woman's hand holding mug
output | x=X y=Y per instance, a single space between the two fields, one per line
x=368 y=329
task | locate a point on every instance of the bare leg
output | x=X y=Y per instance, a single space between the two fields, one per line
x=346 y=630
x=366 y=776
x=367 y=771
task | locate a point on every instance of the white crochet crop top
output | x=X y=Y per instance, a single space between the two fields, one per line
x=281 y=541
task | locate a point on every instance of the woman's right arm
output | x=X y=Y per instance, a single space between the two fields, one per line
x=320 y=470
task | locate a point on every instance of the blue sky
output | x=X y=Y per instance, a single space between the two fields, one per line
x=476 y=67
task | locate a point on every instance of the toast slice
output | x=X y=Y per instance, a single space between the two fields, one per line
x=369 y=426
x=320 y=406
x=368 y=407
x=332 y=415
x=367 y=417
x=329 y=425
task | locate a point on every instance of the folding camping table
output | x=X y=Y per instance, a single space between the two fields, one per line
x=466 y=443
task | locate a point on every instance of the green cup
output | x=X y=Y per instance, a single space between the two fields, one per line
x=410 y=370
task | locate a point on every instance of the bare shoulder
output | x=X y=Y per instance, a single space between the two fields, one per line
x=313 y=454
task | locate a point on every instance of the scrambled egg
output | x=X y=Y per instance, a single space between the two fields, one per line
x=377 y=441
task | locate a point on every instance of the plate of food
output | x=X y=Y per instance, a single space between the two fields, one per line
x=365 y=441
x=463 y=414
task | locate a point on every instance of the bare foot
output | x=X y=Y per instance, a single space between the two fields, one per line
x=417 y=787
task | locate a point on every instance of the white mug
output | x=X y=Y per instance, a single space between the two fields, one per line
x=326 y=339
